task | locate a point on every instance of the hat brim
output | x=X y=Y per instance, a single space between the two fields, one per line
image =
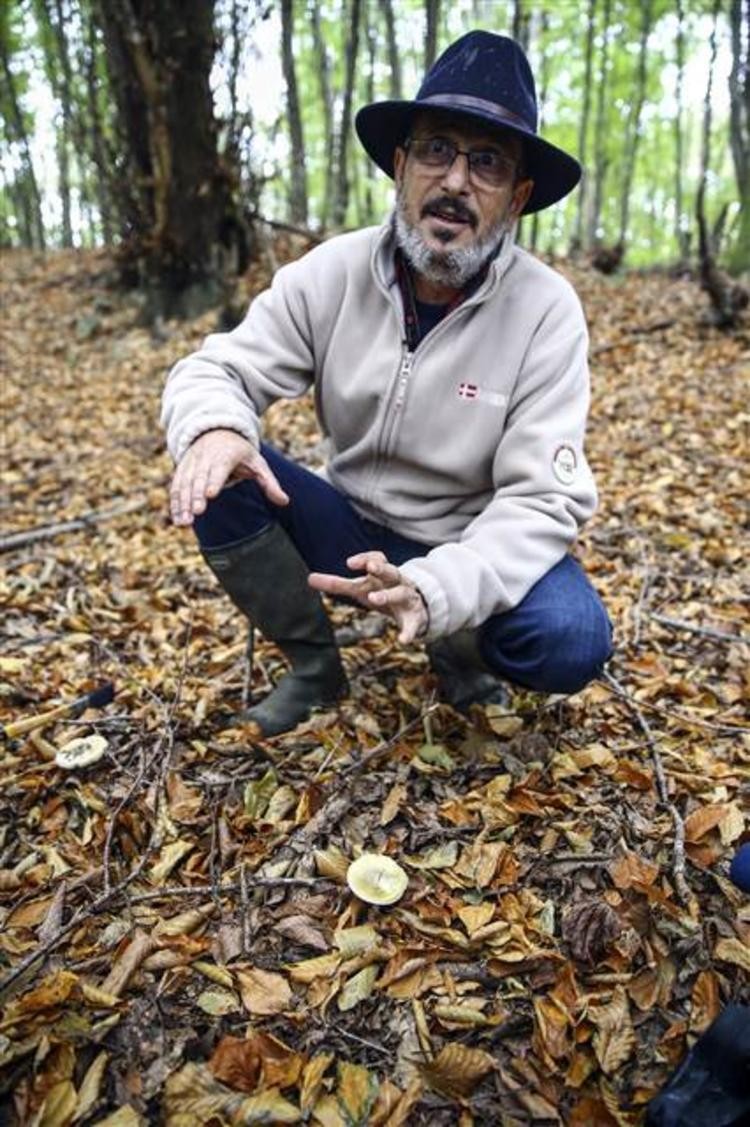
x=382 y=126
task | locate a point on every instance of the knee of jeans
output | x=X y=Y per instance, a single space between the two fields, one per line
x=574 y=650
x=237 y=512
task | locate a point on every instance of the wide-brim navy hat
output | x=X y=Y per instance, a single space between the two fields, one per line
x=487 y=78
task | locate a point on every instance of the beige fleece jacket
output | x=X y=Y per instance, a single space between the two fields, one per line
x=473 y=442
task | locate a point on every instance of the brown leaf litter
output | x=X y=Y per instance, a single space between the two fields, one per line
x=177 y=939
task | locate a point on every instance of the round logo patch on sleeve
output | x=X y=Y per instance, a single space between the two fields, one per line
x=565 y=464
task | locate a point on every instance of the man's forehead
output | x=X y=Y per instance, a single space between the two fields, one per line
x=459 y=128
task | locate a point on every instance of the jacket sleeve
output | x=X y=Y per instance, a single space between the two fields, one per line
x=543 y=488
x=234 y=377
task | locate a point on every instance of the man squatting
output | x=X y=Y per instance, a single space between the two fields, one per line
x=451 y=381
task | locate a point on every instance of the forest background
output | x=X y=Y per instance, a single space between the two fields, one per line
x=114 y=114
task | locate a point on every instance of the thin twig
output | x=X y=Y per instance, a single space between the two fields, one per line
x=227 y=889
x=673 y=713
x=47 y=531
x=704 y=631
x=245 y=901
x=678 y=846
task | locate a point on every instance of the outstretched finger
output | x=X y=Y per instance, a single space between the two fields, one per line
x=362 y=560
x=338 y=585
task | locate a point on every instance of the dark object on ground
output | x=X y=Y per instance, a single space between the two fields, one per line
x=590 y=928
x=739 y=870
x=97 y=698
x=711 y=1088
x=607 y=259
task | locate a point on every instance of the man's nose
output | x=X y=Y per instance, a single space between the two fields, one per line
x=456 y=175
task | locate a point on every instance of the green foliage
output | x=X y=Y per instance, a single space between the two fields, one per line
x=557 y=42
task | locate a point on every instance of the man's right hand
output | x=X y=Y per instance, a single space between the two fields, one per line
x=214 y=459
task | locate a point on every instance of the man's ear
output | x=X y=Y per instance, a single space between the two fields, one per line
x=520 y=197
x=399 y=163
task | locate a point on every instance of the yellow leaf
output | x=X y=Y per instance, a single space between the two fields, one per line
x=460 y=1015
x=395 y=797
x=218 y=1002
x=312 y=1080
x=474 y=916
x=733 y=951
x=192 y=1097
x=268 y=1107
x=169 y=858
x=353 y=941
x=331 y=862
x=59 y=1105
x=614 y=1039
x=220 y=975
x=705 y=1002
x=322 y=966
x=185 y=922
x=357 y=988
x=263 y=992
x=88 y=1093
x=441 y=857
x=327 y=1113
x=127 y=1116
x=456 y=1070
x=356 y=1092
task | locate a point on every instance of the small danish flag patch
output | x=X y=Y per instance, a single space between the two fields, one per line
x=474 y=391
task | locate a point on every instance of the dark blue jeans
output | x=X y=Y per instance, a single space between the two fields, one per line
x=556 y=640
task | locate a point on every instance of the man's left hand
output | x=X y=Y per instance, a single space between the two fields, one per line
x=383 y=588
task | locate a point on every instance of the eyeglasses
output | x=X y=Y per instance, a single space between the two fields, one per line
x=488 y=166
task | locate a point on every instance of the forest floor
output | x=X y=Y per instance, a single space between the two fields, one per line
x=178 y=943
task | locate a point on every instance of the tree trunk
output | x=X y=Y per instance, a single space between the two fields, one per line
x=583 y=129
x=633 y=134
x=297 y=177
x=185 y=236
x=543 y=84
x=326 y=102
x=681 y=233
x=601 y=160
x=432 y=18
x=394 y=59
x=341 y=183
x=727 y=298
x=103 y=159
x=521 y=30
x=370 y=30
x=17 y=128
x=739 y=127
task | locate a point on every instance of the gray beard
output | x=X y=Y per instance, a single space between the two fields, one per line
x=447 y=267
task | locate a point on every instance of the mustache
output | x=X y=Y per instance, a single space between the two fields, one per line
x=452 y=207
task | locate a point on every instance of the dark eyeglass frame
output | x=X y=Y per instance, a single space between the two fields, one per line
x=491 y=175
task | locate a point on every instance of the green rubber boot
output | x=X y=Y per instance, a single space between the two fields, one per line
x=266 y=578
x=463 y=676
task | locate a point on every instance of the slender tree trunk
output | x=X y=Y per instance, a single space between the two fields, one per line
x=35 y=223
x=432 y=19
x=370 y=30
x=739 y=127
x=326 y=102
x=102 y=158
x=601 y=160
x=297 y=177
x=394 y=59
x=633 y=134
x=341 y=184
x=681 y=233
x=727 y=298
x=583 y=129
x=543 y=84
x=521 y=30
